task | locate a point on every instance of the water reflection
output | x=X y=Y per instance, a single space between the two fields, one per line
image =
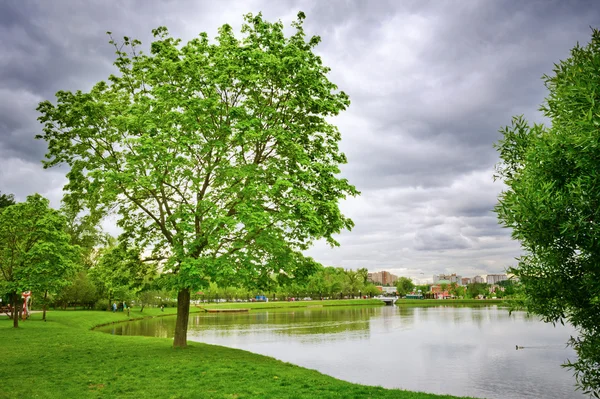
x=455 y=350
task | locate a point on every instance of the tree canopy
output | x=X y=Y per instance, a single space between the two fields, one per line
x=217 y=155
x=6 y=200
x=552 y=202
x=120 y=271
x=35 y=253
x=404 y=285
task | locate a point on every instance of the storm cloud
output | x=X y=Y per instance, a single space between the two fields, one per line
x=431 y=83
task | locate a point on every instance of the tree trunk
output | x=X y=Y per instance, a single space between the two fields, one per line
x=183 y=314
x=15 y=310
x=44 y=306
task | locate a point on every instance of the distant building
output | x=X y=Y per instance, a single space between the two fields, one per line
x=465 y=281
x=495 y=288
x=492 y=279
x=438 y=292
x=374 y=277
x=478 y=279
x=383 y=278
x=453 y=278
x=388 y=278
x=387 y=290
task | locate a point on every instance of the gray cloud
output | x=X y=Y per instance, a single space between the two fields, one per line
x=430 y=83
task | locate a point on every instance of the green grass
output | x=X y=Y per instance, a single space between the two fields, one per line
x=63 y=358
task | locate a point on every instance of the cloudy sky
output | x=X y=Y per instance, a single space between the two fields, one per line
x=430 y=83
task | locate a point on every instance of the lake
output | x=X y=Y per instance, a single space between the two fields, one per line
x=467 y=351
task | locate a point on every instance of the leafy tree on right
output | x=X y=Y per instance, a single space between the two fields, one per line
x=552 y=205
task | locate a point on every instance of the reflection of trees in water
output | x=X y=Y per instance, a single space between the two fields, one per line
x=163 y=327
x=320 y=321
x=454 y=314
x=408 y=315
x=326 y=322
x=297 y=322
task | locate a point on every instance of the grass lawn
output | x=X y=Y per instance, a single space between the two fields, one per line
x=63 y=358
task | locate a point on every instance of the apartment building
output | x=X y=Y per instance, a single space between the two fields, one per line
x=495 y=278
x=453 y=278
x=478 y=279
x=383 y=278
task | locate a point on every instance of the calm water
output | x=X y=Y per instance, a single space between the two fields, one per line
x=452 y=350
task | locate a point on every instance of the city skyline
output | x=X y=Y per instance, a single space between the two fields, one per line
x=483 y=277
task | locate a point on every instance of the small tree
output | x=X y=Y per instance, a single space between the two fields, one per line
x=371 y=290
x=404 y=285
x=353 y=282
x=476 y=289
x=552 y=205
x=81 y=290
x=218 y=156
x=35 y=253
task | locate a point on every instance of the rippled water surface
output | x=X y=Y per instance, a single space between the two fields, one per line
x=453 y=350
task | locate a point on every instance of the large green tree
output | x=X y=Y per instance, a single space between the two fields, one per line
x=552 y=204
x=217 y=155
x=35 y=253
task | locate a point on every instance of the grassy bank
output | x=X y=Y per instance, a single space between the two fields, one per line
x=62 y=358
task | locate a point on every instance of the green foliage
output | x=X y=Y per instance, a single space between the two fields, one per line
x=217 y=155
x=476 y=289
x=552 y=205
x=35 y=253
x=404 y=286
x=84 y=233
x=371 y=290
x=326 y=282
x=458 y=291
x=423 y=288
x=511 y=288
x=120 y=273
x=80 y=291
x=6 y=200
